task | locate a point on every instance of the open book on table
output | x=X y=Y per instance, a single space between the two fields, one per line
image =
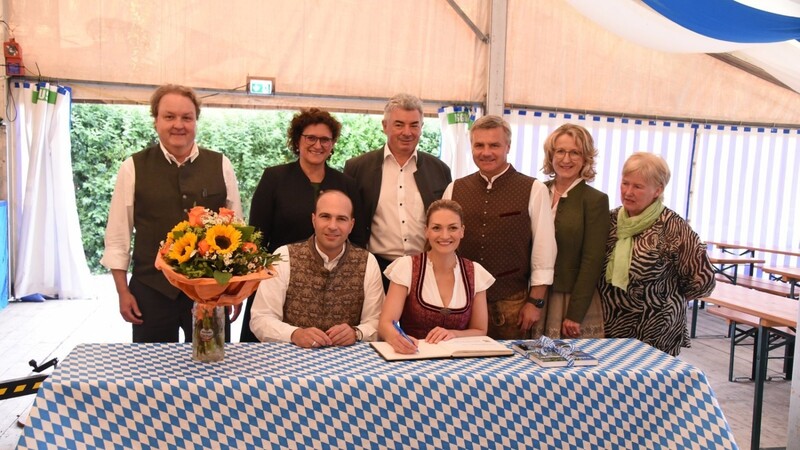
x=465 y=347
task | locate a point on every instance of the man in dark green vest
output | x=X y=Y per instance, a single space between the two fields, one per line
x=155 y=189
x=508 y=230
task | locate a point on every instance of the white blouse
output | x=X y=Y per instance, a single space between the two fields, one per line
x=399 y=271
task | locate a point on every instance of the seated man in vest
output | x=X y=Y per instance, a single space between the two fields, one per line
x=326 y=291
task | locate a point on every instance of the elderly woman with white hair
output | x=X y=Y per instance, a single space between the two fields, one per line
x=655 y=262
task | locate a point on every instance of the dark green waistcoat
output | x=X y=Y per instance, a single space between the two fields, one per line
x=164 y=194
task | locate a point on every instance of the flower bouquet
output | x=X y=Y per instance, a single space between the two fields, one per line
x=216 y=260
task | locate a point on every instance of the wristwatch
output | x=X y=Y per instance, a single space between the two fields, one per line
x=359 y=334
x=537 y=302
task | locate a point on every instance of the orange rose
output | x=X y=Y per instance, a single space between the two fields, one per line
x=227 y=214
x=165 y=249
x=203 y=247
x=249 y=247
x=196 y=215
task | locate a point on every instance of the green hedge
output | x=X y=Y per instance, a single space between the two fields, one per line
x=104 y=135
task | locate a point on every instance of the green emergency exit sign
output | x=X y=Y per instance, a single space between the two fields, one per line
x=260 y=86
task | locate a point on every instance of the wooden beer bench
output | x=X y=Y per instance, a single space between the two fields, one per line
x=742 y=326
x=760 y=284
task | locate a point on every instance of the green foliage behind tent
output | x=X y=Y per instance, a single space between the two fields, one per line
x=104 y=135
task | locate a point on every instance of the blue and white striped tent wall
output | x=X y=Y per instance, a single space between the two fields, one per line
x=615 y=139
x=732 y=183
x=747 y=187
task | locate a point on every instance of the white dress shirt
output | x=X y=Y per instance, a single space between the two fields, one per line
x=117 y=253
x=398 y=226
x=543 y=233
x=266 y=320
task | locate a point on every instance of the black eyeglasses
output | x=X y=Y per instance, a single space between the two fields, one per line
x=323 y=140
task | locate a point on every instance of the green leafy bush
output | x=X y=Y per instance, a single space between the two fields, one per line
x=104 y=135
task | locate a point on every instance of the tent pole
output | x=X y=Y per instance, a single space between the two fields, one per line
x=495 y=101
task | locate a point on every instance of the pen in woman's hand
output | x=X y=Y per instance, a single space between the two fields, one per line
x=403 y=334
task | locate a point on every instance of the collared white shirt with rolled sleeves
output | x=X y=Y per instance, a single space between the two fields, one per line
x=398 y=226
x=543 y=233
x=117 y=253
x=266 y=319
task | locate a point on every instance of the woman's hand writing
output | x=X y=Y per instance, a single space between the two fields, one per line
x=401 y=344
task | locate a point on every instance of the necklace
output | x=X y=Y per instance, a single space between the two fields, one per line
x=559 y=193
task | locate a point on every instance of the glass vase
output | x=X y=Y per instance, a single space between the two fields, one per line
x=208 y=333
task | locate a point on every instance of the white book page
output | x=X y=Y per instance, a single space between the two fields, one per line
x=457 y=347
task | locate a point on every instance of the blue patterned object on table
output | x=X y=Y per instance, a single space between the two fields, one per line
x=278 y=395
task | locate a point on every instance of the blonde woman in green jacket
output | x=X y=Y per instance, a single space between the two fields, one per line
x=573 y=308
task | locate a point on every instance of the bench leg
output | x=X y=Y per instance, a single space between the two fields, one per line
x=737 y=336
x=693 y=330
x=755 y=353
x=732 y=334
x=788 y=359
x=762 y=346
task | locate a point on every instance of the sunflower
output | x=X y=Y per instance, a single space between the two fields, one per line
x=177 y=229
x=183 y=249
x=223 y=239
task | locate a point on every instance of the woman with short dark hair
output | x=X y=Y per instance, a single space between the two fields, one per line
x=285 y=197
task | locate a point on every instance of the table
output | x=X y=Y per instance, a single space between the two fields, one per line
x=726 y=262
x=722 y=263
x=726 y=247
x=278 y=395
x=772 y=311
x=790 y=274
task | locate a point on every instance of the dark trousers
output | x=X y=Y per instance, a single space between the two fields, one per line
x=164 y=316
x=383 y=264
x=247 y=335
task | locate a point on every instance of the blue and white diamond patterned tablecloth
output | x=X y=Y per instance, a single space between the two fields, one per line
x=280 y=396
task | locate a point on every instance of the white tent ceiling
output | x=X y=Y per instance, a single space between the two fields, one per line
x=352 y=54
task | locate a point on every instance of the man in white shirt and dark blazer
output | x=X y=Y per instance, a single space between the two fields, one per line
x=397 y=183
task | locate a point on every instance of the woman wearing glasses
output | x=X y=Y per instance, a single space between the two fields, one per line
x=582 y=221
x=286 y=194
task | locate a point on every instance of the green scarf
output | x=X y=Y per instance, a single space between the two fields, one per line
x=619 y=264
